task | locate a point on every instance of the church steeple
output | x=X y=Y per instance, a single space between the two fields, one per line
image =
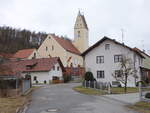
x=80 y=21
x=81 y=33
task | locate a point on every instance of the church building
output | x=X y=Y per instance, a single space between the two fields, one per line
x=68 y=51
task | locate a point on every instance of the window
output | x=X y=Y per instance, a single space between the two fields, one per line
x=107 y=46
x=53 y=67
x=78 y=33
x=99 y=59
x=34 y=56
x=46 y=48
x=118 y=58
x=118 y=73
x=34 y=78
x=52 y=47
x=58 y=68
x=100 y=74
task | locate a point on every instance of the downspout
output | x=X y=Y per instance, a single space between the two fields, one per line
x=134 y=68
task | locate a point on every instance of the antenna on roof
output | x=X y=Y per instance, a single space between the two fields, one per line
x=142 y=41
x=122 y=32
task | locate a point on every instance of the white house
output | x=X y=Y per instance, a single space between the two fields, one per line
x=42 y=70
x=104 y=58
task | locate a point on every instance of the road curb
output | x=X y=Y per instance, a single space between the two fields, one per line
x=127 y=103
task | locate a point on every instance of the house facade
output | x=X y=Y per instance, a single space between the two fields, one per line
x=42 y=70
x=104 y=58
x=146 y=65
x=46 y=76
x=54 y=46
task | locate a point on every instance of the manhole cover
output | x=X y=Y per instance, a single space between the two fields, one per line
x=52 y=110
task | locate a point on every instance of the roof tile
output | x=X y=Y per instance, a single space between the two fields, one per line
x=67 y=45
x=24 y=53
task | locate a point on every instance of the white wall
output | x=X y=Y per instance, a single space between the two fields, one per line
x=109 y=66
x=42 y=76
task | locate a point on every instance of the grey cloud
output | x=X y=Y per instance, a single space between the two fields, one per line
x=104 y=17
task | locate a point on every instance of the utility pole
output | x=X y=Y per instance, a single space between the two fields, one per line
x=122 y=31
x=143 y=47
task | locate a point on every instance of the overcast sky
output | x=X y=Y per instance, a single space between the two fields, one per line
x=104 y=18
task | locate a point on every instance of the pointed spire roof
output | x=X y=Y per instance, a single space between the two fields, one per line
x=82 y=18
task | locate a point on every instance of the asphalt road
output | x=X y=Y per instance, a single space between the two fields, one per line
x=62 y=99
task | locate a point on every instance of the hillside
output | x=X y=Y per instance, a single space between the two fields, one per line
x=12 y=39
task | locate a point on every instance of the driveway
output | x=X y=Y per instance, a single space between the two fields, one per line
x=130 y=98
x=62 y=99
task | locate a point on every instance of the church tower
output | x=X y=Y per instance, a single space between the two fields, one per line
x=81 y=38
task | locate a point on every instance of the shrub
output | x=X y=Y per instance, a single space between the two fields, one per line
x=45 y=82
x=142 y=83
x=147 y=95
x=67 y=78
x=89 y=76
x=37 y=82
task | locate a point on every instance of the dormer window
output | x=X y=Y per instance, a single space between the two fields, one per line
x=31 y=66
x=107 y=46
x=34 y=56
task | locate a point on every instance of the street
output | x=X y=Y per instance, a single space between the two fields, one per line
x=62 y=99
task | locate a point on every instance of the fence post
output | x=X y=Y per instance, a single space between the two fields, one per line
x=140 y=91
x=89 y=84
x=109 y=91
x=94 y=85
x=85 y=84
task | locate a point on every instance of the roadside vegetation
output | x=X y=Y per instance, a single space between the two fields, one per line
x=142 y=107
x=10 y=105
x=118 y=90
x=91 y=91
x=88 y=91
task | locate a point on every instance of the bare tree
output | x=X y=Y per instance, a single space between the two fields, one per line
x=126 y=70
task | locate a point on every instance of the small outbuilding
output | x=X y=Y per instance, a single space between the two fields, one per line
x=42 y=70
x=12 y=83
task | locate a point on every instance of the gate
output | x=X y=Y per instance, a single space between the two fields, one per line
x=26 y=84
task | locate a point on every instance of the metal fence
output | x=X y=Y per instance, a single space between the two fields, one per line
x=105 y=86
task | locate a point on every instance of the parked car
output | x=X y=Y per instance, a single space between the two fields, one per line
x=116 y=84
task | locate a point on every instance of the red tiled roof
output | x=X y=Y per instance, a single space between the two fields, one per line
x=140 y=51
x=67 y=45
x=6 y=55
x=5 y=70
x=34 y=65
x=24 y=53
